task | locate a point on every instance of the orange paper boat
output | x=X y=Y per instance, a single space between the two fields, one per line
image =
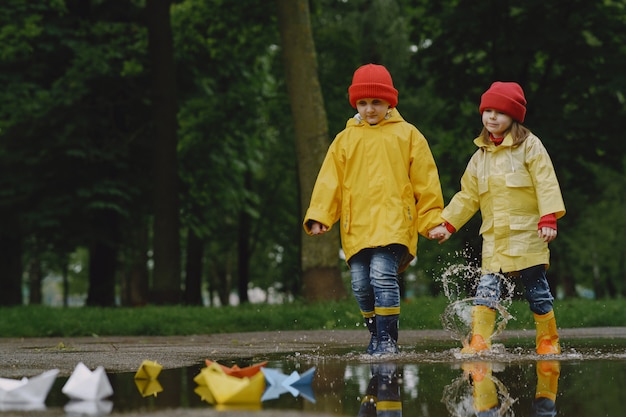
x=228 y=389
x=237 y=371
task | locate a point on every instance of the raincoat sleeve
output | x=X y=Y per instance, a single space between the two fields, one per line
x=325 y=205
x=466 y=202
x=548 y=192
x=426 y=186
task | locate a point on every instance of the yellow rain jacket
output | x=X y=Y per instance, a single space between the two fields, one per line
x=382 y=182
x=513 y=187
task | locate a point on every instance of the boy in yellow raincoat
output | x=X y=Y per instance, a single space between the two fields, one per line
x=379 y=177
x=511 y=180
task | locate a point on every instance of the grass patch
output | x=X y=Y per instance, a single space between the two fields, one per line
x=417 y=314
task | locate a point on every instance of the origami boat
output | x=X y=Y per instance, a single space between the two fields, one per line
x=148 y=387
x=88 y=408
x=148 y=370
x=227 y=389
x=84 y=384
x=146 y=378
x=294 y=383
x=27 y=390
x=237 y=371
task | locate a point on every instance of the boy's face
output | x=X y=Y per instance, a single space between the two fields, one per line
x=372 y=110
x=497 y=123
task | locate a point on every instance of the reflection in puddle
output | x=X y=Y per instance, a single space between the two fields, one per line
x=426 y=382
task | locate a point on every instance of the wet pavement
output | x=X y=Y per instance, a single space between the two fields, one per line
x=31 y=356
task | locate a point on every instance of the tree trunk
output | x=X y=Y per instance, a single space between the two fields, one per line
x=321 y=275
x=166 y=279
x=134 y=283
x=102 y=267
x=34 y=277
x=11 y=262
x=193 y=269
x=66 y=282
x=243 y=247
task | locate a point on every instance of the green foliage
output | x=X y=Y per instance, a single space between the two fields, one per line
x=416 y=314
x=76 y=149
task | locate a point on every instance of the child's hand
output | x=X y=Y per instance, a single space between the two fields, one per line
x=318 y=228
x=440 y=233
x=548 y=234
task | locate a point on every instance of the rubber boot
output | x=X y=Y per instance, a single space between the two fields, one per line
x=368 y=403
x=547 y=339
x=483 y=323
x=387 y=330
x=547 y=384
x=548 y=373
x=370 y=323
x=485 y=393
x=389 y=401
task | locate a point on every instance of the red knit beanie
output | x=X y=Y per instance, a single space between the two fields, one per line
x=372 y=81
x=504 y=97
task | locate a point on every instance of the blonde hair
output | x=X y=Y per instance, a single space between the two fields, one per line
x=518 y=131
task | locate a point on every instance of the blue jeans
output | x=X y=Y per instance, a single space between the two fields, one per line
x=375 y=283
x=537 y=290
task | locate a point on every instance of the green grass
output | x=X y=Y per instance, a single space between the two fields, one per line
x=417 y=314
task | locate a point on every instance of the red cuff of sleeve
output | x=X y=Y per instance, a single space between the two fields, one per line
x=549 y=220
x=451 y=228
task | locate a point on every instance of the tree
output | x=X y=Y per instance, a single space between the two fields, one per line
x=166 y=242
x=320 y=270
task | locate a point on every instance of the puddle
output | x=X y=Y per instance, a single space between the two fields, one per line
x=430 y=380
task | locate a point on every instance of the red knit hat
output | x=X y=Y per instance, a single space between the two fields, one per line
x=372 y=81
x=507 y=98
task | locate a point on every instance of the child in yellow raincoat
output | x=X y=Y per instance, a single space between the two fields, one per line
x=379 y=177
x=511 y=180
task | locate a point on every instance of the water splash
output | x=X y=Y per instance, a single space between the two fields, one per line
x=460 y=397
x=459 y=282
x=457 y=319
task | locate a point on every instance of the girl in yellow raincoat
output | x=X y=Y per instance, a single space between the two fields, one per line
x=379 y=177
x=511 y=180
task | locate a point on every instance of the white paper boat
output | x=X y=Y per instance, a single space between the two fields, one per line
x=84 y=384
x=27 y=390
x=296 y=384
x=22 y=407
x=88 y=408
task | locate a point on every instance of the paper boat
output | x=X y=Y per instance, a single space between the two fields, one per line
x=33 y=390
x=88 y=408
x=239 y=372
x=228 y=389
x=148 y=370
x=146 y=378
x=148 y=387
x=84 y=384
x=22 y=407
x=295 y=383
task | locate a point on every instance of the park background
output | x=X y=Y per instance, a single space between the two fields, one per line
x=157 y=152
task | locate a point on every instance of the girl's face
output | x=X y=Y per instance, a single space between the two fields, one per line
x=372 y=110
x=497 y=123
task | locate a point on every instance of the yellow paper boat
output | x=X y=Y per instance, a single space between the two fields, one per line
x=228 y=389
x=148 y=370
x=147 y=387
x=237 y=371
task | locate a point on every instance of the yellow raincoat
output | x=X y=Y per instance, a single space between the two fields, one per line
x=382 y=182
x=513 y=186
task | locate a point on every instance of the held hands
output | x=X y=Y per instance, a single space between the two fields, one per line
x=548 y=234
x=440 y=233
x=318 y=228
